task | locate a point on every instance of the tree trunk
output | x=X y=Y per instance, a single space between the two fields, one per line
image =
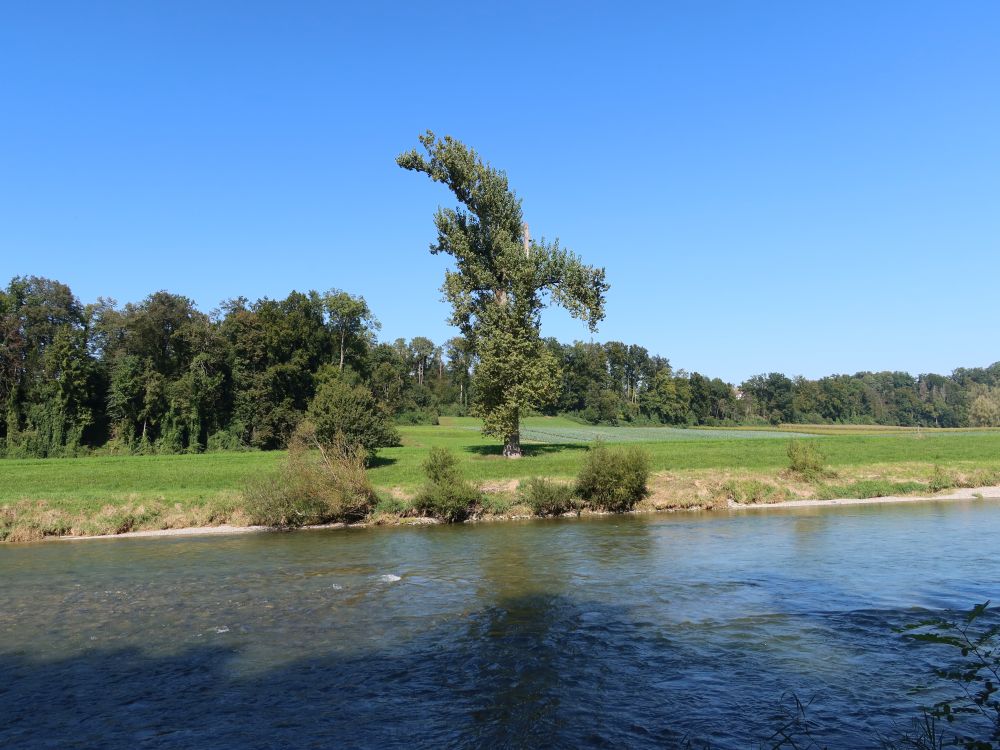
x=342 y=335
x=512 y=445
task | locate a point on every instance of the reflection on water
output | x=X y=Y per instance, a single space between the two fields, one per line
x=614 y=632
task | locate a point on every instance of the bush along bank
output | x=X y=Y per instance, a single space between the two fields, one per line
x=612 y=479
x=324 y=482
x=321 y=483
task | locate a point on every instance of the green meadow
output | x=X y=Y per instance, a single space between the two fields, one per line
x=100 y=494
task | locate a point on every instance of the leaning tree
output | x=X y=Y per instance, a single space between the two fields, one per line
x=500 y=284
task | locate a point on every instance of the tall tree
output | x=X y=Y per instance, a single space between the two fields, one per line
x=350 y=320
x=498 y=287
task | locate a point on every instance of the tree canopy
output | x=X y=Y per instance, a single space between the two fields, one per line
x=160 y=376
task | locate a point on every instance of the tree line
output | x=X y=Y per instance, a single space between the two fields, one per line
x=162 y=376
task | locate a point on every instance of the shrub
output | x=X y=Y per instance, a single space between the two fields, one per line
x=545 y=497
x=418 y=416
x=445 y=495
x=984 y=478
x=391 y=506
x=496 y=503
x=806 y=460
x=941 y=480
x=318 y=483
x=750 y=491
x=614 y=479
x=969 y=714
x=226 y=440
x=345 y=413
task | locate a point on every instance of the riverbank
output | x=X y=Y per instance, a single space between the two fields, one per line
x=965 y=494
x=460 y=623
x=113 y=495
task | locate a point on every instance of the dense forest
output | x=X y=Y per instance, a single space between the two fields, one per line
x=162 y=376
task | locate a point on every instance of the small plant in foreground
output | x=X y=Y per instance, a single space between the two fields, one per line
x=545 y=497
x=973 y=714
x=614 y=479
x=318 y=483
x=807 y=460
x=445 y=495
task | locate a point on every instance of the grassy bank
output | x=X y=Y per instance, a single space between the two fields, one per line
x=703 y=468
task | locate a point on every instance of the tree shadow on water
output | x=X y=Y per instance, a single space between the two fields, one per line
x=535 y=671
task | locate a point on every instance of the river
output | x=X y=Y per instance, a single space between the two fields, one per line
x=624 y=631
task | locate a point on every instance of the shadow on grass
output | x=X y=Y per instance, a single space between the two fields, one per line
x=530 y=450
x=380 y=461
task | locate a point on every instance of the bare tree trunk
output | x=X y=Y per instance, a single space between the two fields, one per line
x=512 y=443
x=342 y=351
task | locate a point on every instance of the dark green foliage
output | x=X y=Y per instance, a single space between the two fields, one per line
x=417 y=416
x=614 y=478
x=546 y=497
x=807 y=460
x=445 y=495
x=159 y=376
x=318 y=483
x=350 y=413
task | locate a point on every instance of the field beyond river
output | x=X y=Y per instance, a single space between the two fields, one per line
x=692 y=468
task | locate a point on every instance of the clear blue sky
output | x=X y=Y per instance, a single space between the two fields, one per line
x=795 y=186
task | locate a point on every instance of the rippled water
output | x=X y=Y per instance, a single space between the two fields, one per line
x=613 y=632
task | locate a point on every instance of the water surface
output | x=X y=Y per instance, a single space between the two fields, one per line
x=612 y=632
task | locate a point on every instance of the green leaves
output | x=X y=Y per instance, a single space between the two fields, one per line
x=977 y=672
x=496 y=290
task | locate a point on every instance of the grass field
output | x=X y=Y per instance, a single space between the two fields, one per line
x=208 y=488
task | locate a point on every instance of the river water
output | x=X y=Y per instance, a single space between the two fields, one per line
x=626 y=631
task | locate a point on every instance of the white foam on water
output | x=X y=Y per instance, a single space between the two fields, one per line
x=221 y=629
x=336 y=587
x=389 y=578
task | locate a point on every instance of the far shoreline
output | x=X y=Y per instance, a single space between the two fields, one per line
x=964 y=494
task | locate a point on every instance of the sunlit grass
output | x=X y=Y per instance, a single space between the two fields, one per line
x=192 y=487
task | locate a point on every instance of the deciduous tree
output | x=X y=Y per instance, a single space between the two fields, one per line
x=500 y=285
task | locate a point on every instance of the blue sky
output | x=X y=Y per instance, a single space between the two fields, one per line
x=803 y=187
